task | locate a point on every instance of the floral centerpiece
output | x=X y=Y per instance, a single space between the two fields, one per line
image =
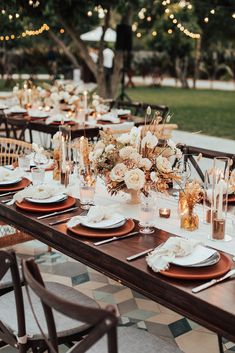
x=135 y=161
x=189 y=197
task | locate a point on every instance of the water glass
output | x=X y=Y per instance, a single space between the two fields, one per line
x=87 y=195
x=146 y=215
x=24 y=163
x=38 y=176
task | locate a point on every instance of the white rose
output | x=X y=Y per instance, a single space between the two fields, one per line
x=54 y=89
x=146 y=163
x=149 y=140
x=118 y=172
x=163 y=164
x=154 y=177
x=135 y=157
x=125 y=152
x=109 y=148
x=124 y=138
x=135 y=179
x=95 y=103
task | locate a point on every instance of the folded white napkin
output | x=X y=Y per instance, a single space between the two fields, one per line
x=57 y=118
x=8 y=175
x=160 y=258
x=111 y=116
x=39 y=192
x=95 y=214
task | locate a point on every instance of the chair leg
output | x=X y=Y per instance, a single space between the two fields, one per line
x=221 y=348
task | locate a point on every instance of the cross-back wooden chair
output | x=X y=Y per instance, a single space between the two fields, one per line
x=102 y=323
x=10 y=149
x=190 y=154
x=17 y=326
x=16 y=127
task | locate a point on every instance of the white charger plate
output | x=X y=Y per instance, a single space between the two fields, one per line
x=116 y=221
x=123 y=112
x=10 y=182
x=34 y=113
x=17 y=110
x=53 y=199
x=200 y=254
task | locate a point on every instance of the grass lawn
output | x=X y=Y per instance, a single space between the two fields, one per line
x=211 y=112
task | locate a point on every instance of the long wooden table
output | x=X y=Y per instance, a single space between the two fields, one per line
x=77 y=130
x=213 y=308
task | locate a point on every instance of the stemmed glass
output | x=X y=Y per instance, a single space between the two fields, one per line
x=146 y=214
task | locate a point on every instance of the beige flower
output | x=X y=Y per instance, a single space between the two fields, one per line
x=135 y=157
x=146 y=163
x=149 y=140
x=69 y=87
x=124 y=139
x=99 y=145
x=118 y=172
x=135 y=135
x=109 y=148
x=135 y=179
x=163 y=164
x=125 y=152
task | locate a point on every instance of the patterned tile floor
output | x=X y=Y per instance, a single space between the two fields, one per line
x=132 y=307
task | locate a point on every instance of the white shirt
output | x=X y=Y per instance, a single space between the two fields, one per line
x=108 y=55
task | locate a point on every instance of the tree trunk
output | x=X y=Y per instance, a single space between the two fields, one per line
x=181 y=68
x=65 y=49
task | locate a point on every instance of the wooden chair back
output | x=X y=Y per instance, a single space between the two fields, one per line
x=16 y=127
x=191 y=153
x=99 y=321
x=10 y=149
x=18 y=340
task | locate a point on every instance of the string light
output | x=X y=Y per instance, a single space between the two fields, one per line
x=138 y=35
x=27 y=32
x=154 y=33
x=62 y=31
x=182 y=28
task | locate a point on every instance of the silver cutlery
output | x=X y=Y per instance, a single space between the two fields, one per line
x=6 y=201
x=115 y=238
x=213 y=282
x=140 y=254
x=60 y=221
x=57 y=213
x=8 y=193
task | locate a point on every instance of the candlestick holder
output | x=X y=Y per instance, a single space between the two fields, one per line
x=66 y=161
x=219 y=199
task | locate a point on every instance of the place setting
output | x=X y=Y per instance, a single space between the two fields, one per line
x=12 y=180
x=101 y=222
x=185 y=259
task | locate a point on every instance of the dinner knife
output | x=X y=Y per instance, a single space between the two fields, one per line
x=136 y=256
x=59 y=221
x=115 y=238
x=57 y=213
x=8 y=193
x=213 y=282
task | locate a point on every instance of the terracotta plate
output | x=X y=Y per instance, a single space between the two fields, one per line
x=231 y=198
x=223 y=266
x=21 y=185
x=30 y=207
x=96 y=233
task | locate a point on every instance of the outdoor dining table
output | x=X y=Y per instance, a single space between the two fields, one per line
x=213 y=308
x=77 y=129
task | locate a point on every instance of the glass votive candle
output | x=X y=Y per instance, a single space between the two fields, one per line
x=87 y=194
x=38 y=176
x=146 y=216
x=164 y=212
x=24 y=163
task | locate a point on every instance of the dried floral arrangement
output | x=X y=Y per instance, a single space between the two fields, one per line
x=138 y=160
x=192 y=193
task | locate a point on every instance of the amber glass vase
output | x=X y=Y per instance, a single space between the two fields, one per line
x=189 y=220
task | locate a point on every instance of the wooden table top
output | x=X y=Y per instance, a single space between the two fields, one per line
x=213 y=308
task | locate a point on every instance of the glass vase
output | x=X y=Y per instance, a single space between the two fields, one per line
x=189 y=220
x=219 y=199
